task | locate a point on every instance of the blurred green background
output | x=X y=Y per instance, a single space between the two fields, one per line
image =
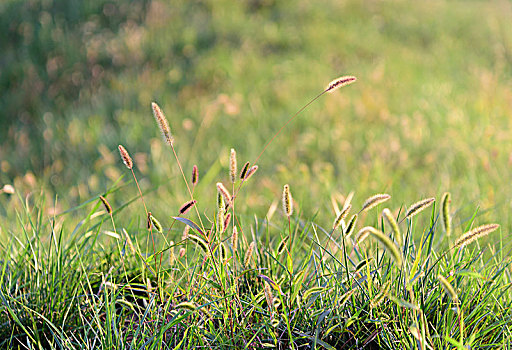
x=431 y=111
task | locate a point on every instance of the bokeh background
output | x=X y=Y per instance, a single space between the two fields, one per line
x=431 y=111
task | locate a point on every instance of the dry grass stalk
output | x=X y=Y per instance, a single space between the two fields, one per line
x=106 y=204
x=287 y=201
x=445 y=205
x=342 y=215
x=474 y=234
x=374 y=201
x=232 y=166
x=394 y=226
x=419 y=206
x=162 y=123
x=187 y=206
x=125 y=156
x=340 y=82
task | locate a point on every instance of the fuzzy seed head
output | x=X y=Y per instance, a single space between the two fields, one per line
x=244 y=171
x=448 y=288
x=106 y=204
x=445 y=205
x=227 y=219
x=232 y=166
x=394 y=226
x=374 y=200
x=351 y=225
x=268 y=295
x=162 y=123
x=234 y=239
x=7 y=189
x=419 y=206
x=195 y=175
x=250 y=172
x=343 y=214
x=287 y=201
x=125 y=156
x=155 y=223
x=199 y=242
x=224 y=192
x=248 y=253
x=340 y=82
x=474 y=234
x=129 y=241
x=187 y=206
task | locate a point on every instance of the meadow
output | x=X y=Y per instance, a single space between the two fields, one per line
x=301 y=254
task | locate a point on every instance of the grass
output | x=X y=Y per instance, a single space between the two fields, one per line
x=214 y=278
x=429 y=113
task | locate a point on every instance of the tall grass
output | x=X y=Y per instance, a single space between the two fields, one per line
x=215 y=277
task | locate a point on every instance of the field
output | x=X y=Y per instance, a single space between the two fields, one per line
x=429 y=114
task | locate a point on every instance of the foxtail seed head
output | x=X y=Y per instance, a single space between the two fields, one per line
x=250 y=172
x=268 y=295
x=234 y=239
x=187 y=206
x=448 y=288
x=232 y=166
x=156 y=224
x=244 y=171
x=195 y=175
x=340 y=82
x=106 y=204
x=248 y=253
x=224 y=192
x=419 y=206
x=287 y=201
x=445 y=205
x=343 y=214
x=162 y=123
x=127 y=160
x=394 y=226
x=374 y=201
x=474 y=234
x=351 y=225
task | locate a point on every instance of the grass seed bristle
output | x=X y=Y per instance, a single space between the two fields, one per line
x=394 y=226
x=340 y=82
x=162 y=123
x=418 y=207
x=445 y=205
x=187 y=306
x=374 y=200
x=474 y=234
x=199 y=242
x=268 y=295
x=387 y=243
x=125 y=156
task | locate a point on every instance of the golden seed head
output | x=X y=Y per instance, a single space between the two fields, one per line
x=162 y=123
x=248 y=253
x=374 y=201
x=224 y=192
x=125 y=156
x=337 y=83
x=7 y=189
x=475 y=233
x=448 y=288
x=287 y=201
x=342 y=215
x=445 y=204
x=234 y=239
x=419 y=206
x=250 y=172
